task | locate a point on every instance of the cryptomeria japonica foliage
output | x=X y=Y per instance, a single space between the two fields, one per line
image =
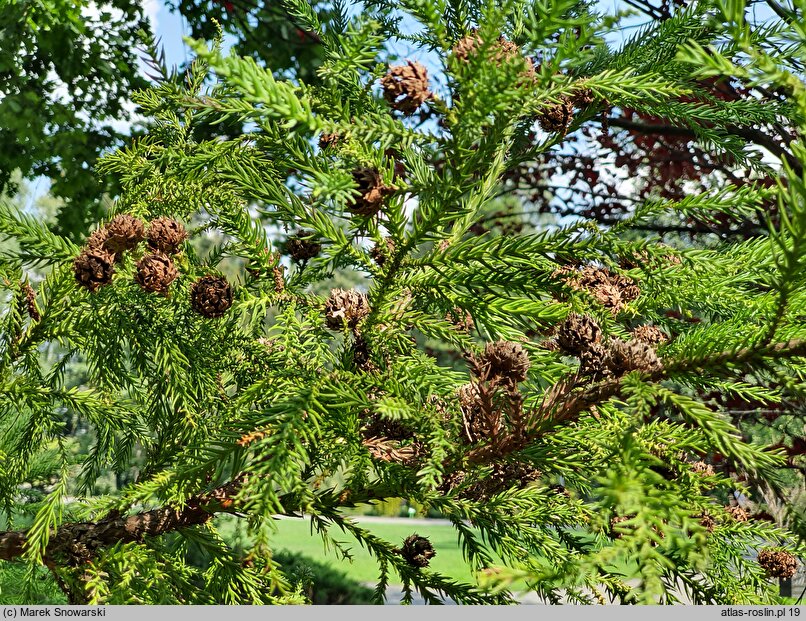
x=548 y=391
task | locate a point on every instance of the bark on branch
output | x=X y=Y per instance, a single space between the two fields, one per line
x=79 y=540
x=565 y=405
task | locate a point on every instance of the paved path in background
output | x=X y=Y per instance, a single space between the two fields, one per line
x=394 y=593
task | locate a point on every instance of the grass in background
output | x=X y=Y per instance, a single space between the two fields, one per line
x=294 y=535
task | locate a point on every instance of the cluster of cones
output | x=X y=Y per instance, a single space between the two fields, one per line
x=777 y=563
x=613 y=291
x=580 y=336
x=94 y=267
x=406 y=87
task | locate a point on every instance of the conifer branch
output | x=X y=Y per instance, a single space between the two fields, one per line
x=78 y=541
x=564 y=404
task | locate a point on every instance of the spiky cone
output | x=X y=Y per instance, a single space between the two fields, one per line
x=328 y=140
x=155 y=273
x=383 y=251
x=166 y=235
x=362 y=357
x=628 y=290
x=593 y=362
x=737 y=514
x=612 y=291
x=211 y=296
x=279 y=278
x=504 y=360
x=777 y=563
x=345 y=308
x=651 y=335
x=503 y=476
x=502 y=50
x=557 y=117
x=707 y=521
x=405 y=87
x=582 y=98
x=700 y=467
x=631 y=356
x=467 y=47
x=390 y=450
x=124 y=232
x=97 y=238
x=469 y=397
x=462 y=320
x=94 y=268
x=373 y=191
x=301 y=247
x=29 y=298
x=417 y=551
x=577 y=334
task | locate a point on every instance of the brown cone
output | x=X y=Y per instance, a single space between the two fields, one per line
x=651 y=335
x=557 y=116
x=98 y=238
x=301 y=247
x=328 y=140
x=155 y=273
x=381 y=252
x=578 y=333
x=501 y=51
x=467 y=47
x=470 y=405
x=373 y=192
x=30 y=301
x=631 y=356
x=345 y=308
x=700 y=467
x=362 y=356
x=505 y=360
x=124 y=232
x=777 y=563
x=612 y=291
x=593 y=362
x=417 y=551
x=94 y=268
x=279 y=278
x=628 y=290
x=405 y=87
x=583 y=98
x=211 y=296
x=737 y=513
x=462 y=320
x=166 y=235
x=708 y=522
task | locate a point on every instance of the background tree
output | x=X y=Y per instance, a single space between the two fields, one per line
x=575 y=437
x=67 y=71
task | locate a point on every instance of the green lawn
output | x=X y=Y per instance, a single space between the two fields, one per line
x=295 y=536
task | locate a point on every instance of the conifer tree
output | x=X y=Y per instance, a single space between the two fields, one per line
x=574 y=447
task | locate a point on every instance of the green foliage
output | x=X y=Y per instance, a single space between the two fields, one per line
x=295 y=401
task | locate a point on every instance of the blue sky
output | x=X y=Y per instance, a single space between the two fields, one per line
x=169 y=27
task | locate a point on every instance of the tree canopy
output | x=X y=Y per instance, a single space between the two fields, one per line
x=558 y=391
